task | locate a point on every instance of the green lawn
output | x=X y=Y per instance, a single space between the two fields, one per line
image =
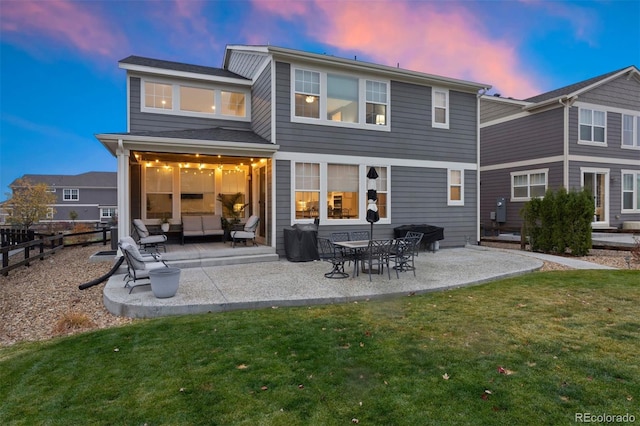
x=535 y=349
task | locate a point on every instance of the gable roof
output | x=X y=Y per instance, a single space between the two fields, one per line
x=582 y=86
x=83 y=180
x=357 y=66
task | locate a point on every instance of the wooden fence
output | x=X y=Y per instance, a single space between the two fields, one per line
x=45 y=244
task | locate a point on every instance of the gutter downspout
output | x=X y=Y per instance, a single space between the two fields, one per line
x=566 y=103
x=478 y=96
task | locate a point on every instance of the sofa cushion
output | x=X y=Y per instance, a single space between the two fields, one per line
x=212 y=224
x=191 y=225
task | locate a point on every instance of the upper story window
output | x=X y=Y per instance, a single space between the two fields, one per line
x=339 y=100
x=376 y=103
x=630 y=131
x=592 y=126
x=157 y=95
x=440 y=108
x=195 y=100
x=70 y=194
x=528 y=184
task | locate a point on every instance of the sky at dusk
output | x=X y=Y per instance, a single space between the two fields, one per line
x=60 y=83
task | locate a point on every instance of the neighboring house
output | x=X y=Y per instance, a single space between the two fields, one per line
x=92 y=195
x=295 y=133
x=586 y=135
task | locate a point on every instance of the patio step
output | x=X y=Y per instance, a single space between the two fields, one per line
x=228 y=260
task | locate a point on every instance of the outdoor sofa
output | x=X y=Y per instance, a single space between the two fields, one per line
x=201 y=226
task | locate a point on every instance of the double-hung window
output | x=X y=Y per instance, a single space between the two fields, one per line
x=70 y=194
x=630 y=191
x=455 y=180
x=307 y=190
x=376 y=112
x=307 y=94
x=440 y=108
x=630 y=131
x=528 y=184
x=343 y=186
x=592 y=126
x=339 y=100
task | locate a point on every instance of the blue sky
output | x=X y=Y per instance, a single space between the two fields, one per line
x=60 y=83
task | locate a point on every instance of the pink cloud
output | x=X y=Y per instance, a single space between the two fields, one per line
x=61 y=21
x=436 y=38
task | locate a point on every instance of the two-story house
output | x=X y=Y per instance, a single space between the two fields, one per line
x=586 y=135
x=92 y=196
x=295 y=133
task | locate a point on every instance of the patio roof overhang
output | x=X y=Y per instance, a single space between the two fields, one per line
x=183 y=143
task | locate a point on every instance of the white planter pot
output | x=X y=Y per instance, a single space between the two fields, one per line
x=164 y=282
x=164 y=227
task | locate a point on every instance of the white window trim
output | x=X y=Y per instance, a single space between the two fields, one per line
x=322 y=203
x=528 y=173
x=444 y=125
x=105 y=209
x=451 y=202
x=636 y=190
x=70 y=198
x=593 y=109
x=607 y=191
x=362 y=101
x=175 y=97
x=636 y=129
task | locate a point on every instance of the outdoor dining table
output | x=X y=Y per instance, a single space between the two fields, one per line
x=356 y=247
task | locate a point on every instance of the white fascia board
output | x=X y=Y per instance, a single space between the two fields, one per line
x=368 y=67
x=176 y=145
x=606 y=160
x=524 y=163
x=498 y=99
x=140 y=69
x=382 y=161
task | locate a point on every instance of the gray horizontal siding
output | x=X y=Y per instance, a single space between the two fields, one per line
x=492 y=110
x=534 y=136
x=261 y=105
x=146 y=121
x=418 y=196
x=616 y=217
x=497 y=183
x=411 y=134
x=613 y=148
x=620 y=93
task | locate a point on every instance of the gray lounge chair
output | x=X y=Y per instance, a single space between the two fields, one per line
x=248 y=233
x=137 y=266
x=146 y=240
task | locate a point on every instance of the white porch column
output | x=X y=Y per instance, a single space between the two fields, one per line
x=124 y=209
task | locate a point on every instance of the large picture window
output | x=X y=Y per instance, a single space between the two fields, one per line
x=342 y=191
x=339 y=100
x=528 y=184
x=337 y=193
x=197 y=99
x=197 y=191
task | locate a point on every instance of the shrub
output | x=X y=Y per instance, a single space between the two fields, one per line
x=559 y=221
